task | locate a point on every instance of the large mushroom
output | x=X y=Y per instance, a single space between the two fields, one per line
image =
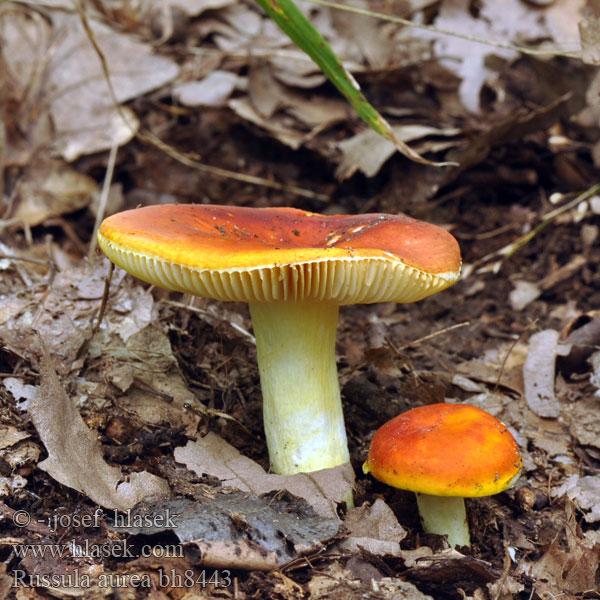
x=445 y=453
x=294 y=268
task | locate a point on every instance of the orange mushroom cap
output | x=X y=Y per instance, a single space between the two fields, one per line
x=270 y=254
x=445 y=450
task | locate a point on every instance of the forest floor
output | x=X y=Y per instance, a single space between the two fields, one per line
x=115 y=419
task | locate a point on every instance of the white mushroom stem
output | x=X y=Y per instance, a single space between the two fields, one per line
x=302 y=408
x=445 y=515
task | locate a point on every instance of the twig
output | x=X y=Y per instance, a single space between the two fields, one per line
x=201 y=311
x=5 y=223
x=508 y=250
x=428 y=337
x=35 y=261
x=110 y=167
x=104 y=298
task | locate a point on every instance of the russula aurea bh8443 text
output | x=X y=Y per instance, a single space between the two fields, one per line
x=445 y=453
x=295 y=269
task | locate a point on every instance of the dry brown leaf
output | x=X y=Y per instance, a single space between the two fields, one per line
x=50 y=189
x=320 y=113
x=82 y=107
x=64 y=314
x=566 y=572
x=74 y=453
x=503 y=366
x=266 y=93
x=10 y=435
x=583 y=418
x=211 y=455
x=335 y=582
x=373 y=528
x=62 y=80
x=147 y=371
x=363 y=38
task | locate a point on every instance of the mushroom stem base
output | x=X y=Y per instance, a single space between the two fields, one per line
x=304 y=423
x=445 y=515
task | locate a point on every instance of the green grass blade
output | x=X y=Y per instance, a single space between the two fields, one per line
x=300 y=30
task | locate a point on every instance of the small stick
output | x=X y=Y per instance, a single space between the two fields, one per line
x=104 y=298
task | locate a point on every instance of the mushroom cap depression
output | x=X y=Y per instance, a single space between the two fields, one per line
x=277 y=254
x=445 y=450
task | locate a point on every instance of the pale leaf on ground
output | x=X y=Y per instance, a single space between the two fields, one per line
x=213 y=90
x=538 y=374
x=583 y=418
x=74 y=454
x=524 y=294
x=502 y=365
x=211 y=455
x=589 y=30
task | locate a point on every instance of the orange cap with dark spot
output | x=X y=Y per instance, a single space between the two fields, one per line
x=445 y=450
x=274 y=254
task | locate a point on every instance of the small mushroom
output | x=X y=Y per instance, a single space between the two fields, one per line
x=294 y=268
x=445 y=453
